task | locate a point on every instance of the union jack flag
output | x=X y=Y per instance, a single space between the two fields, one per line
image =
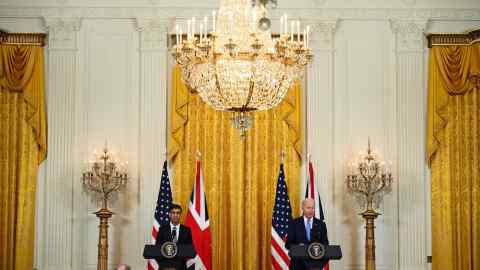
x=197 y=220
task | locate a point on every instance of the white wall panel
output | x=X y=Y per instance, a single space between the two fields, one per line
x=109 y=102
x=364 y=107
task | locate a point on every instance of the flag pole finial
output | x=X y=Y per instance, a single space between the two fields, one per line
x=309 y=156
x=199 y=155
x=282 y=156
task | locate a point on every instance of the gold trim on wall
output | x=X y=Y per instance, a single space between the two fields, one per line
x=37 y=39
x=467 y=38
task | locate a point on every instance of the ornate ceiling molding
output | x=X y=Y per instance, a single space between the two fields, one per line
x=181 y=13
x=453 y=39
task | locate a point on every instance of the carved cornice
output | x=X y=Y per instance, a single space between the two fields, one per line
x=37 y=39
x=187 y=12
x=62 y=32
x=453 y=39
x=409 y=34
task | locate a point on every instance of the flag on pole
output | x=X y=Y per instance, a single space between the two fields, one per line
x=197 y=220
x=312 y=193
x=164 y=202
x=281 y=217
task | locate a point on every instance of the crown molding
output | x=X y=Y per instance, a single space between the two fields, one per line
x=181 y=13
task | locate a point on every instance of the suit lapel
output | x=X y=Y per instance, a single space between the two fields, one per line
x=180 y=233
x=303 y=232
x=169 y=230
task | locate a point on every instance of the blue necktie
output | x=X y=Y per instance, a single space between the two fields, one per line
x=308 y=229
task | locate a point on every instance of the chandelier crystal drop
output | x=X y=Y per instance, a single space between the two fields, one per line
x=236 y=66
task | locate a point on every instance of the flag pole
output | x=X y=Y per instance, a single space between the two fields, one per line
x=309 y=156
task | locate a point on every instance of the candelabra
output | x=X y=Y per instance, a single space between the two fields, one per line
x=105 y=177
x=369 y=178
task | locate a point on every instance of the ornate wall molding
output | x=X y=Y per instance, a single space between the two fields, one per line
x=409 y=34
x=185 y=12
x=62 y=32
x=153 y=33
x=322 y=33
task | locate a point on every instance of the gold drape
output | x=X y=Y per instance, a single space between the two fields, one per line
x=453 y=154
x=23 y=146
x=240 y=176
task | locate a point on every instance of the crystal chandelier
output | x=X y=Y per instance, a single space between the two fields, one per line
x=236 y=66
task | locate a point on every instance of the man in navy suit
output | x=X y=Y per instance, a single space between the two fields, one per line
x=175 y=232
x=304 y=230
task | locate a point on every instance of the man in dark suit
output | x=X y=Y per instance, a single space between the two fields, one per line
x=175 y=232
x=304 y=230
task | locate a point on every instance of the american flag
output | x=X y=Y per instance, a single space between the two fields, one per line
x=197 y=220
x=282 y=215
x=311 y=192
x=164 y=202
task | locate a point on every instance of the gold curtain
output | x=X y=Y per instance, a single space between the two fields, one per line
x=453 y=154
x=240 y=176
x=22 y=148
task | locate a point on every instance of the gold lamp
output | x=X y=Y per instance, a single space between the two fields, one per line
x=369 y=178
x=106 y=176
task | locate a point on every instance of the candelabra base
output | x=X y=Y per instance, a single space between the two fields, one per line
x=370 y=215
x=103 y=214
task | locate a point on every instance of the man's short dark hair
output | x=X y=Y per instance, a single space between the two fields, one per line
x=175 y=206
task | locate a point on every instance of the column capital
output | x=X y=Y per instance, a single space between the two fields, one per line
x=153 y=33
x=409 y=34
x=322 y=32
x=62 y=32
